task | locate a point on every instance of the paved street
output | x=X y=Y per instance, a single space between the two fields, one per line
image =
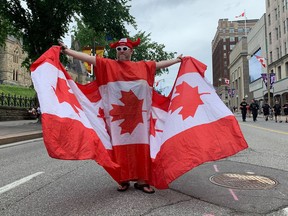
x=32 y=183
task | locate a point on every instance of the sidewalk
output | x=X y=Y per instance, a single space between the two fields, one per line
x=14 y=131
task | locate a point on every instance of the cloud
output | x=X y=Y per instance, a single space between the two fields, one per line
x=189 y=26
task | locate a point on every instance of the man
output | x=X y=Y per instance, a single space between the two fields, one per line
x=266 y=110
x=277 y=111
x=243 y=107
x=285 y=106
x=254 y=107
x=134 y=159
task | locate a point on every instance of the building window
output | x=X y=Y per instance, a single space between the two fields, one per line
x=14 y=75
x=277 y=33
x=271 y=57
x=279 y=29
x=285 y=48
x=269 y=19
x=232 y=46
x=16 y=56
x=286 y=69
x=232 y=39
x=270 y=38
x=268 y=3
x=284 y=26
x=276 y=14
x=231 y=30
x=279 y=73
x=240 y=30
x=224 y=47
x=278 y=53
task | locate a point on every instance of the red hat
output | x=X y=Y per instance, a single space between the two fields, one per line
x=125 y=42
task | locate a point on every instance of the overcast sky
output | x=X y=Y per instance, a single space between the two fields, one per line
x=188 y=26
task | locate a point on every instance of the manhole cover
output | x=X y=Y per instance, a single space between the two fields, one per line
x=243 y=181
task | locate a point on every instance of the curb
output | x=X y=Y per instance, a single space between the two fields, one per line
x=20 y=137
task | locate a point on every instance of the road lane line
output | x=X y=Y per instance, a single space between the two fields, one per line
x=276 y=131
x=18 y=182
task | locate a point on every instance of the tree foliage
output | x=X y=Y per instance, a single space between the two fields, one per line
x=147 y=50
x=108 y=18
x=42 y=22
x=6 y=29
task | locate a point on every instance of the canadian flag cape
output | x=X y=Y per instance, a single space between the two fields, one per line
x=158 y=138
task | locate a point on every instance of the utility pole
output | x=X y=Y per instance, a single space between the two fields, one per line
x=268 y=74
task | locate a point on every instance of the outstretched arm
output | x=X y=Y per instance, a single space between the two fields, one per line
x=78 y=55
x=167 y=63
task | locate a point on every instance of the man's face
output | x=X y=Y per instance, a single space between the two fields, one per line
x=124 y=53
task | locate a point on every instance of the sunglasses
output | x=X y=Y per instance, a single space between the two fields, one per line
x=124 y=48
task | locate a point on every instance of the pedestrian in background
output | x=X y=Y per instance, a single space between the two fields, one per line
x=277 y=111
x=285 y=106
x=266 y=110
x=254 y=107
x=243 y=108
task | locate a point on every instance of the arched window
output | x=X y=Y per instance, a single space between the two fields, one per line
x=286 y=69
x=14 y=75
x=17 y=73
x=16 y=55
x=279 y=73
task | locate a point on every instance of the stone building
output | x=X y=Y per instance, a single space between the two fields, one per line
x=277 y=40
x=239 y=76
x=11 y=58
x=12 y=73
x=226 y=37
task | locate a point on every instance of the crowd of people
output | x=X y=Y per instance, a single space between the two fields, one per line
x=272 y=113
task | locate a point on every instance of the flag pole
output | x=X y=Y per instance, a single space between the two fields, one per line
x=245 y=23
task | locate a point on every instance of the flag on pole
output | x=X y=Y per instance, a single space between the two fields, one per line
x=241 y=15
x=272 y=78
x=189 y=127
x=261 y=60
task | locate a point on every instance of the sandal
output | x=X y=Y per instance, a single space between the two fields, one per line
x=143 y=187
x=123 y=186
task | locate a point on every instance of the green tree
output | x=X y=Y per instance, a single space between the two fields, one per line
x=6 y=29
x=107 y=18
x=42 y=22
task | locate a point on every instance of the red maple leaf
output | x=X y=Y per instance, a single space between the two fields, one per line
x=131 y=112
x=189 y=99
x=152 y=127
x=63 y=95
